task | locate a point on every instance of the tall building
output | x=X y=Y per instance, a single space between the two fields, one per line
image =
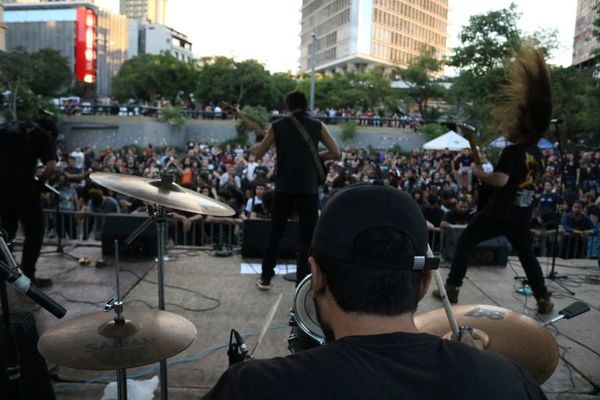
x=584 y=42
x=154 y=11
x=2 y=28
x=146 y=38
x=93 y=41
x=356 y=34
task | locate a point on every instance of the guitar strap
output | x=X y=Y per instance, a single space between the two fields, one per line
x=311 y=148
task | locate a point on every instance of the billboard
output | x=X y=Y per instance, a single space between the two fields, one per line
x=85 y=45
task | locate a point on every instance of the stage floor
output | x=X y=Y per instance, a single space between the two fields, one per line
x=233 y=301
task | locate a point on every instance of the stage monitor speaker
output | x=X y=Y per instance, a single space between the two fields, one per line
x=120 y=227
x=493 y=252
x=256 y=234
x=34 y=382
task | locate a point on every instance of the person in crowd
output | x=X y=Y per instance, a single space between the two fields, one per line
x=548 y=199
x=525 y=112
x=254 y=205
x=366 y=285
x=577 y=227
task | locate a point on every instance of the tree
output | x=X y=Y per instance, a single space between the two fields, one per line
x=251 y=83
x=281 y=84
x=419 y=75
x=150 y=77
x=215 y=80
x=25 y=80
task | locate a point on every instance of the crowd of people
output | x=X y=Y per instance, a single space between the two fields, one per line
x=440 y=181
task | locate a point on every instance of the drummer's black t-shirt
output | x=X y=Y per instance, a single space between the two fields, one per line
x=392 y=366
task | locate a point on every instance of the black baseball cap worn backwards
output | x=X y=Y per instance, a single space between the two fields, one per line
x=361 y=207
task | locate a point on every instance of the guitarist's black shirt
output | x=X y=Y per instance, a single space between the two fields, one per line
x=296 y=170
x=524 y=166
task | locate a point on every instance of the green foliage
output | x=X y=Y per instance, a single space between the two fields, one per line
x=419 y=75
x=172 y=115
x=26 y=78
x=396 y=149
x=258 y=114
x=347 y=131
x=431 y=131
x=150 y=77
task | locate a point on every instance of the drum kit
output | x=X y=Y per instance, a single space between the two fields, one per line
x=136 y=337
x=99 y=341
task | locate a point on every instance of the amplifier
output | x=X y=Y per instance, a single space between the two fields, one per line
x=34 y=383
x=120 y=227
x=256 y=234
x=493 y=252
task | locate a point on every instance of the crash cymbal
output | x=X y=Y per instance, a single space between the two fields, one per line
x=516 y=336
x=95 y=341
x=166 y=194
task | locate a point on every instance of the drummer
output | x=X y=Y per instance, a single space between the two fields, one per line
x=368 y=274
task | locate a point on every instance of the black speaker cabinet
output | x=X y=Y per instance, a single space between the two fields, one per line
x=256 y=234
x=120 y=227
x=34 y=383
x=493 y=252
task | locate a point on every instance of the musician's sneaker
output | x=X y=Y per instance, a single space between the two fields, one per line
x=451 y=291
x=545 y=305
x=263 y=284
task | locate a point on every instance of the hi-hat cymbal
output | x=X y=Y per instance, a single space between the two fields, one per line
x=516 y=336
x=95 y=341
x=155 y=191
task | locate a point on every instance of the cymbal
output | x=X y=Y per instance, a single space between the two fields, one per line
x=155 y=191
x=516 y=336
x=96 y=341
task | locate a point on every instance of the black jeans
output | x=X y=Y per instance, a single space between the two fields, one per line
x=284 y=204
x=24 y=205
x=484 y=227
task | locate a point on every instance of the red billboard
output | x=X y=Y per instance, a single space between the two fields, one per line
x=85 y=45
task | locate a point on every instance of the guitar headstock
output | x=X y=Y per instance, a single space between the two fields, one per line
x=468 y=131
x=229 y=108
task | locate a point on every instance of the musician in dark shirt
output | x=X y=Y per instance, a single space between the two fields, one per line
x=22 y=144
x=526 y=107
x=296 y=185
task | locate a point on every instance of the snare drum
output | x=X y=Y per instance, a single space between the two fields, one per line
x=303 y=319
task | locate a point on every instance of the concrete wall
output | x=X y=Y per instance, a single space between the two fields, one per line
x=100 y=132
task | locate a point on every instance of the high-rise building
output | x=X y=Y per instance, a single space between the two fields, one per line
x=2 y=28
x=356 y=34
x=154 y=11
x=93 y=41
x=584 y=42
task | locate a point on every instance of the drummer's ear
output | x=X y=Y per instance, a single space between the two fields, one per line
x=425 y=281
x=318 y=280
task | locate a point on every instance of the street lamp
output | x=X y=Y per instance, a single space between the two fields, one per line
x=312 y=75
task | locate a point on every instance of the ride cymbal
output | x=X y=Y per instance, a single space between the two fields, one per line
x=163 y=193
x=516 y=336
x=96 y=341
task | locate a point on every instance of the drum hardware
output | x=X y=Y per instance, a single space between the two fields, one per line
x=160 y=194
x=99 y=342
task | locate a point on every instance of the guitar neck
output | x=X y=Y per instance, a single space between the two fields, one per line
x=253 y=124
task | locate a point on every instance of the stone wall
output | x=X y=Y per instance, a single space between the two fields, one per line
x=102 y=131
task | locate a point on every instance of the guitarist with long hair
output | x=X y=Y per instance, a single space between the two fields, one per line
x=524 y=112
x=296 y=137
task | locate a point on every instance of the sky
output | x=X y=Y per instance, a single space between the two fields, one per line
x=268 y=30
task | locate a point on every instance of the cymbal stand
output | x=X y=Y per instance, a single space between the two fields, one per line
x=116 y=305
x=157 y=214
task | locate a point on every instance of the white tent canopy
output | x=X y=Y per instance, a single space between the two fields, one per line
x=449 y=140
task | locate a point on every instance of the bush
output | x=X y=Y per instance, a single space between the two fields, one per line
x=348 y=131
x=172 y=115
x=431 y=131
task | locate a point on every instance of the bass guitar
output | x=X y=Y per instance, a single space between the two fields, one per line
x=253 y=125
x=484 y=192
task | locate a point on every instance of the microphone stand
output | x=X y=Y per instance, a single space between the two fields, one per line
x=59 y=248
x=553 y=275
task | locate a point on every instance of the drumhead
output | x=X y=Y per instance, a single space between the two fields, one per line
x=304 y=311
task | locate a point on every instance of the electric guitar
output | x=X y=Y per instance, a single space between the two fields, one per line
x=484 y=192
x=253 y=125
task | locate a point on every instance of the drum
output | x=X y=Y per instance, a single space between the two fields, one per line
x=306 y=331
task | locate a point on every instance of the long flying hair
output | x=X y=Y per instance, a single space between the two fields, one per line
x=525 y=107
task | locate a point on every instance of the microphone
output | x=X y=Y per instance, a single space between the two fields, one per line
x=24 y=285
x=237 y=351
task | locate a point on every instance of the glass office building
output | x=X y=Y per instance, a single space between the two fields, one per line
x=584 y=42
x=93 y=41
x=355 y=34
